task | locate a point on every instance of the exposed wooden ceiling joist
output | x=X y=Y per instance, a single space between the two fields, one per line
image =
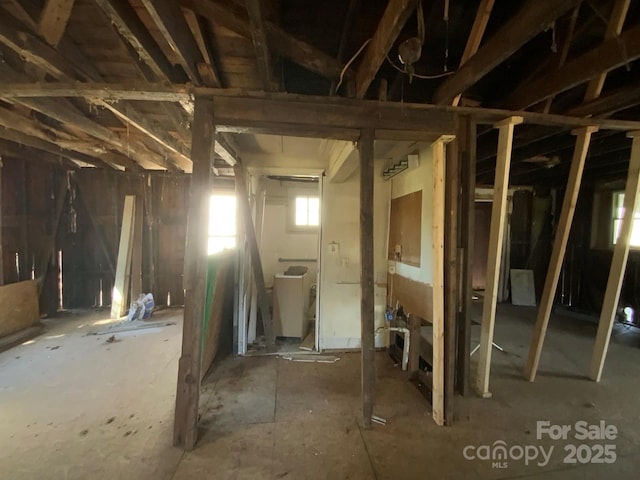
x=393 y=19
x=614 y=28
x=612 y=102
x=208 y=69
x=532 y=18
x=236 y=19
x=475 y=36
x=53 y=19
x=54 y=62
x=260 y=43
x=347 y=27
x=611 y=54
x=11 y=149
x=126 y=21
x=170 y=20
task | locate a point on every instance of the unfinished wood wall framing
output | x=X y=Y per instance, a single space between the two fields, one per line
x=29 y=225
x=163 y=200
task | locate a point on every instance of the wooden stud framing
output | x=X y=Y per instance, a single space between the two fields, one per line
x=618 y=263
x=367 y=318
x=120 y=297
x=496 y=232
x=185 y=430
x=437 y=283
x=559 y=248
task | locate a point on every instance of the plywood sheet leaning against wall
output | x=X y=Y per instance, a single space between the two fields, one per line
x=120 y=298
x=18 y=307
x=221 y=266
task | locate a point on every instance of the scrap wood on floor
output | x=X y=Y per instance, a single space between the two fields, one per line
x=306 y=358
x=127 y=326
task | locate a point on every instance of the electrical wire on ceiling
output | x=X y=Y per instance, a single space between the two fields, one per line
x=423 y=77
x=348 y=64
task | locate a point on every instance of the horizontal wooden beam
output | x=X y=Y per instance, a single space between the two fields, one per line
x=611 y=54
x=531 y=19
x=264 y=110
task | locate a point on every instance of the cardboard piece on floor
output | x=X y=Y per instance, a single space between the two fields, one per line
x=523 y=288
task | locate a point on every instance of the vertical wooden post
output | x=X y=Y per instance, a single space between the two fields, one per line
x=367 y=320
x=451 y=279
x=619 y=262
x=122 y=283
x=559 y=247
x=437 y=282
x=258 y=273
x=467 y=137
x=496 y=231
x=185 y=429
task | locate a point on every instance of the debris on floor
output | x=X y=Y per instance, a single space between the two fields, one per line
x=378 y=420
x=128 y=326
x=311 y=358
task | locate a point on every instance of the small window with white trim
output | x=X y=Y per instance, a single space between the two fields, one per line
x=307 y=211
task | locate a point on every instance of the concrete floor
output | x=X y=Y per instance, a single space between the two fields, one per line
x=91 y=409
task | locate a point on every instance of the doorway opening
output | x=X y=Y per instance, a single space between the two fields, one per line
x=287 y=220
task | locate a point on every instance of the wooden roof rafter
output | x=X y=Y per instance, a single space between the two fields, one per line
x=393 y=19
x=532 y=18
x=44 y=56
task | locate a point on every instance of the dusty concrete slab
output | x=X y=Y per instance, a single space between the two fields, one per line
x=92 y=409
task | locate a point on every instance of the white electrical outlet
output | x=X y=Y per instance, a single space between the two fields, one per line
x=334 y=247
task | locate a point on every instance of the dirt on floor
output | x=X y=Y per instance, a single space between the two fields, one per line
x=97 y=409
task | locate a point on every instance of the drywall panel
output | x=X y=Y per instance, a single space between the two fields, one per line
x=18 y=307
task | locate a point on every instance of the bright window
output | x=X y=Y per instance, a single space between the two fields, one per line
x=307 y=211
x=222 y=223
x=618 y=212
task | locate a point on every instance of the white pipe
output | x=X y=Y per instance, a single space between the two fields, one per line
x=407 y=341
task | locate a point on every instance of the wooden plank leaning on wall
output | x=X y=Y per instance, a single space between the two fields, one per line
x=185 y=430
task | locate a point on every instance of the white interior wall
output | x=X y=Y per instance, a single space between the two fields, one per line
x=340 y=271
x=278 y=239
x=409 y=181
